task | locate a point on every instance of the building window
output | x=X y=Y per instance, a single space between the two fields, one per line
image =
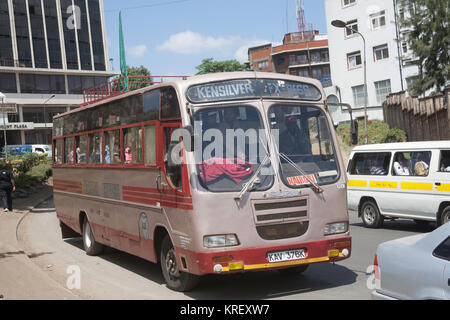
x=383 y=89
x=354 y=60
x=317 y=73
x=6 y=52
x=358 y=96
x=351 y=28
x=378 y=19
x=263 y=64
x=405 y=47
x=346 y=3
x=302 y=58
x=22 y=34
x=51 y=22
x=83 y=37
x=41 y=83
x=303 y=72
x=8 y=83
x=97 y=35
x=380 y=52
x=37 y=32
x=315 y=57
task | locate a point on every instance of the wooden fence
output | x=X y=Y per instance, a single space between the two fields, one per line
x=422 y=119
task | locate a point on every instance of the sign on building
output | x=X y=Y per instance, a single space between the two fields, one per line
x=8 y=108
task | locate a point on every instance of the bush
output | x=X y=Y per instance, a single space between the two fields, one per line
x=377 y=131
x=29 y=169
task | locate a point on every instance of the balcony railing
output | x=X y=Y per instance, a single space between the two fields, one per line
x=121 y=85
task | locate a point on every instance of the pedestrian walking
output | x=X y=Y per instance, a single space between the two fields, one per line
x=7 y=186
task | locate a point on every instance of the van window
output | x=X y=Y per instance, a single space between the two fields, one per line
x=371 y=163
x=444 y=164
x=411 y=163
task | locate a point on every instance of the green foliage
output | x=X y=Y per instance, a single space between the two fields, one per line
x=210 y=66
x=143 y=75
x=429 y=39
x=29 y=169
x=377 y=132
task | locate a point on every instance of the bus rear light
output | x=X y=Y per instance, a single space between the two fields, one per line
x=376 y=269
x=224 y=240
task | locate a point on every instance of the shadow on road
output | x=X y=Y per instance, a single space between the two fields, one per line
x=143 y=268
x=404 y=225
x=250 y=285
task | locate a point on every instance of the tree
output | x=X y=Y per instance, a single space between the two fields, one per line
x=429 y=39
x=210 y=66
x=138 y=77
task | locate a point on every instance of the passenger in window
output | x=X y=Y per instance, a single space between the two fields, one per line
x=293 y=141
x=107 y=155
x=421 y=169
x=401 y=167
x=128 y=155
x=230 y=121
x=377 y=169
x=445 y=162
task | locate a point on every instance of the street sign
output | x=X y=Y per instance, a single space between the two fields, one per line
x=8 y=108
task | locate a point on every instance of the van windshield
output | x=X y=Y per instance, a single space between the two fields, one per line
x=302 y=136
x=233 y=146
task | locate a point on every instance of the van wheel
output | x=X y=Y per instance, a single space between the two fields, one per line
x=370 y=215
x=92 y=247
x=444 y=217
x=294 y=270
x=175 y=279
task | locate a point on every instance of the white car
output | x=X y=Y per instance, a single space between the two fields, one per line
x=416 y=267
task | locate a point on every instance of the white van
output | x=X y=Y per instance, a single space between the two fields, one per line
x=41 y=149
x=400 y=180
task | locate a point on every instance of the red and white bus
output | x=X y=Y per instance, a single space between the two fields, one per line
x=217 y=173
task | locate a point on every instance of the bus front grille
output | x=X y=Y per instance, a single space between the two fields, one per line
x=282 y=231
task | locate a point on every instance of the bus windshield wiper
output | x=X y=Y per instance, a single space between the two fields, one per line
x=314 y=185
x=247 y=186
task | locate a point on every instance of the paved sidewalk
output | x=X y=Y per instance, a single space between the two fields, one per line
x=20 y=278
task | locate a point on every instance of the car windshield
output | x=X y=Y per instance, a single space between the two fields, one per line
x=303 y=138
x=233 y=146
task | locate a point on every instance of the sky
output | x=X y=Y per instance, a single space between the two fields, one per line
x=172 y=37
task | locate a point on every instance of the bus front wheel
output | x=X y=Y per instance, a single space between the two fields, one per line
x=92 y=247
x=175 y=279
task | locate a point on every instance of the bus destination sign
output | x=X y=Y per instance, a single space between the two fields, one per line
x=253 y=88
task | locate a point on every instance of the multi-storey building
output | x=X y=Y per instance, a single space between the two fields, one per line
x=48 y=47
x=302 y=53
x=389 y=60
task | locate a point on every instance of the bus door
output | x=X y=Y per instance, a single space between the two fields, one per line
x=172 y=181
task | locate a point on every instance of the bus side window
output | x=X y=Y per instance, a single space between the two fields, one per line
x=150 y=144
x=151 y=105
x=132 y=145
x=95 y=142
x=80 y=149
x=69 y=155
x=170 y=108
x=58 y=151
x=444 y=165
x=112 y=147
x=173 y=172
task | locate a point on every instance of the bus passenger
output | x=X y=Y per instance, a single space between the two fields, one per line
x=401 y=167
x=128 y=155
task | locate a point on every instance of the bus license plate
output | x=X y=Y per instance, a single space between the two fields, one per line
x=286 y=255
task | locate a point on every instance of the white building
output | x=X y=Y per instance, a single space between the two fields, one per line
x=389 y=67
x=48 y=47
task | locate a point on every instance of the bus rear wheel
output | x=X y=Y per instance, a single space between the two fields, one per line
x=92 y=247
x=175 y=279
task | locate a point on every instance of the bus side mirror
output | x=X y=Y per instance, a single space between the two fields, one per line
x=354 y=132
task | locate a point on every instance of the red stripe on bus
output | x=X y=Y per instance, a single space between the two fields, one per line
x=156 y=197
x=67 y=182
x=163 y=203
x=151 y=190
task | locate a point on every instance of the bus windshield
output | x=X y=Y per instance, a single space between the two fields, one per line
x=233 y=146
x=303 y=139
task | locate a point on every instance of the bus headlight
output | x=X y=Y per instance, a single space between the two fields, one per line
x=335 y=228
x=222 y=240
